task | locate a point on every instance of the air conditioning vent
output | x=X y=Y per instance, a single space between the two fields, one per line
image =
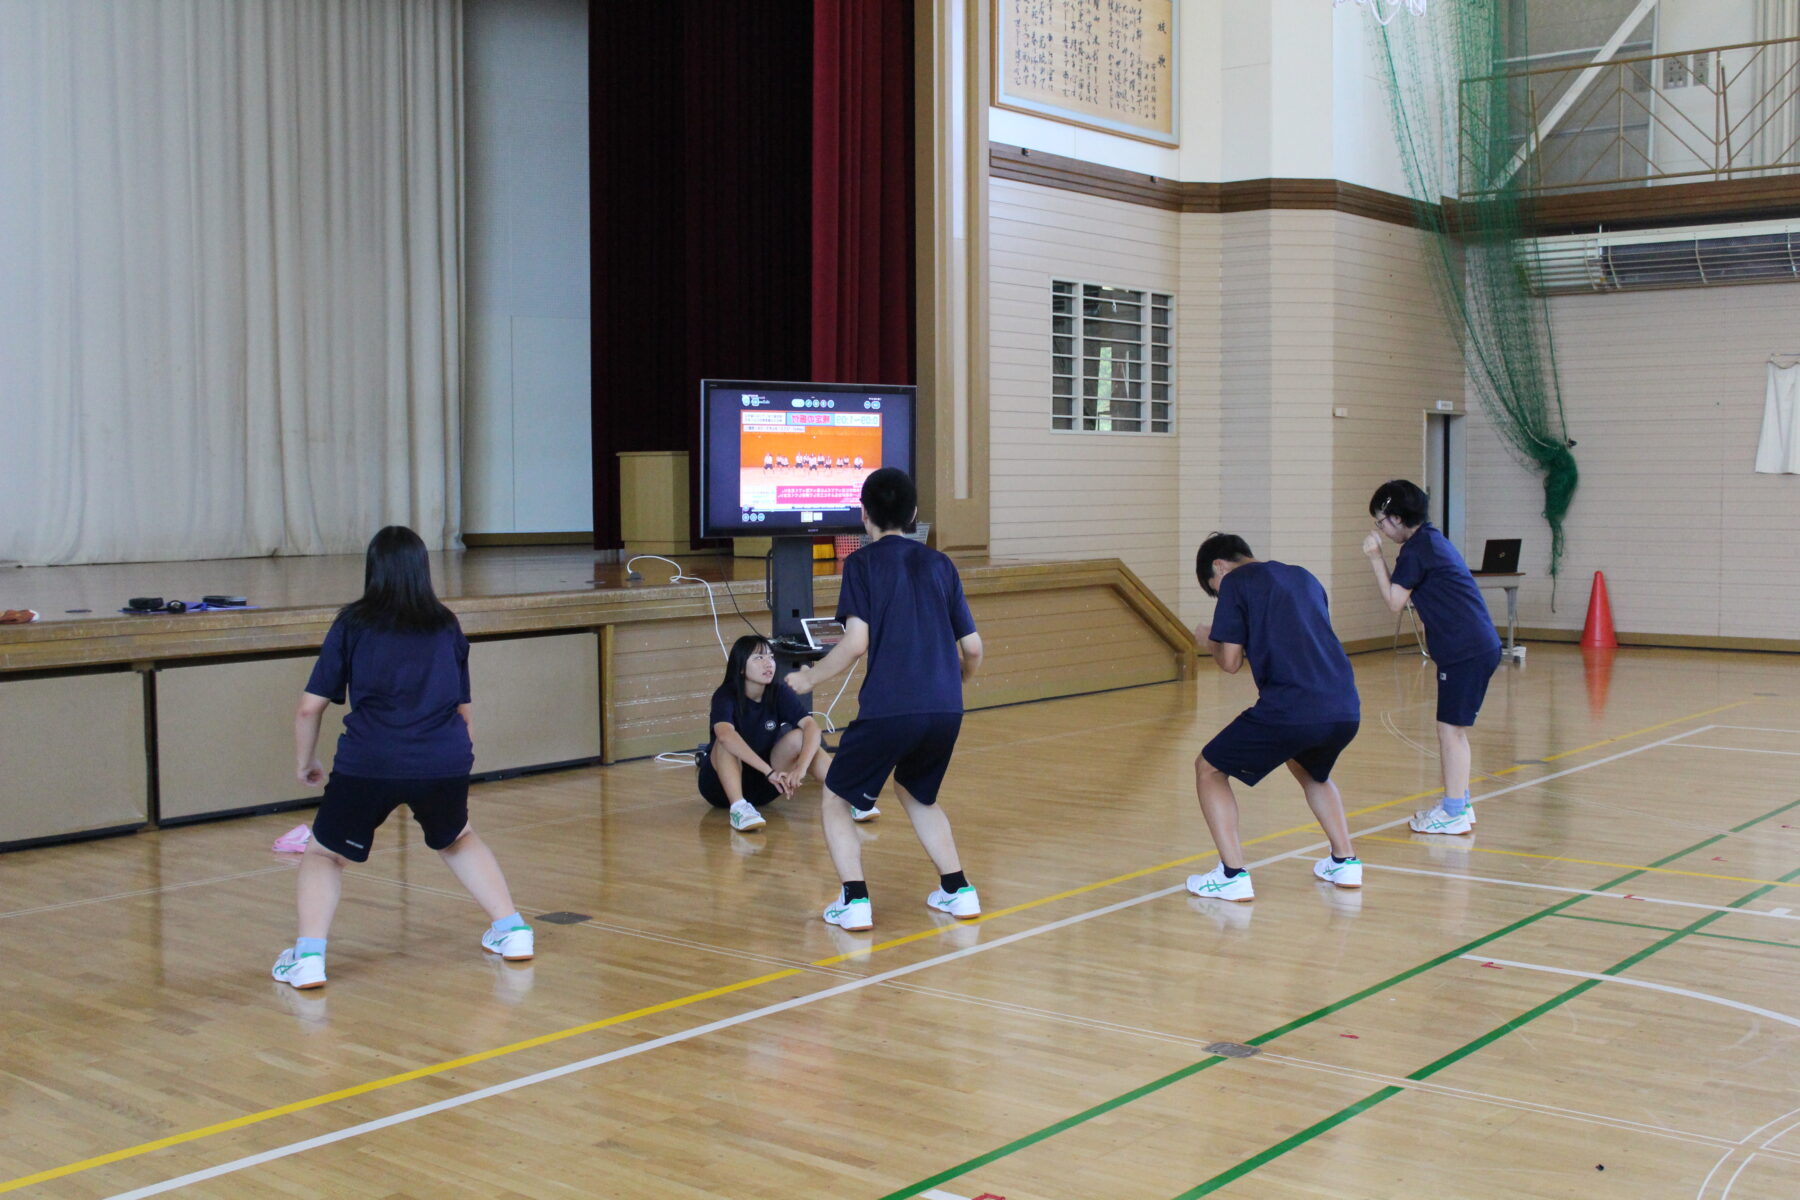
x=1661 y=258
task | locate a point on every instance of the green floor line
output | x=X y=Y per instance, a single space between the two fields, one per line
x=1461 y=1052
x=1156 y=1085
x=1723 y=937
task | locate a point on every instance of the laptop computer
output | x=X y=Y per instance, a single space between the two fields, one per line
x=1500 y=557
x=822 y=633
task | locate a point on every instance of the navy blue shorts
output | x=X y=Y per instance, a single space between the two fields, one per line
x=1462 y=686
x=1250 y=747
x=915 y=748
x=355 y=806
x=757 y=788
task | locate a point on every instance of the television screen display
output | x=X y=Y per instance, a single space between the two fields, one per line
x=782 y=459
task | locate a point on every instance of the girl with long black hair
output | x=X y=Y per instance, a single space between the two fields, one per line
x=764 y=742
x=400 y=659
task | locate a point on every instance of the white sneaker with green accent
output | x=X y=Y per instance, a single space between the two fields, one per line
x=1214 y=886
x=515 y=945
x=744 y=817
x=850 y=914
x=1346 y=874
x=299 y=970
x=1436 y=820
x=962 y=905
x=868 y=814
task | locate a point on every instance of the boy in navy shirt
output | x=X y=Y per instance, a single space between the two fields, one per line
x=902 y=604
x=1307 y=710
x=1464 y=646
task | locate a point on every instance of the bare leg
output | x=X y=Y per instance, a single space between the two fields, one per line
x=475 y=867
x=1453 y=750
x=821 y=765
x=1327 y=804
x=840 y=837
x=933 y=830
x=321 y=884
x=1219 y=807
x=730 y=772
x=787 y=751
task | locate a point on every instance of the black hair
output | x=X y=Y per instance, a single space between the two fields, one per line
x=1228 y=546
x=1403 y=500
x=891 y=499
x=397 y=591
x=735 y=664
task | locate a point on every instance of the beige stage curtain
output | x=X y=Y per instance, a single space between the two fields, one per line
x=230 y=276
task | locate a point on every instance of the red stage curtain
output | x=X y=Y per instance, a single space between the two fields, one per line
x=862 y=192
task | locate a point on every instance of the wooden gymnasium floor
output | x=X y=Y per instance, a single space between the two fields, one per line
x=1594 y=996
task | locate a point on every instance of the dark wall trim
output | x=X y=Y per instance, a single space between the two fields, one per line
x=1775 y=197
x=1152 y=191
x=1772 y=198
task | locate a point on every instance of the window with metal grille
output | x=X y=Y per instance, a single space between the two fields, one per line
x=1112 y=367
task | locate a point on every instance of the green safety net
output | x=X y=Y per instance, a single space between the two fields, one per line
x=1454 y=125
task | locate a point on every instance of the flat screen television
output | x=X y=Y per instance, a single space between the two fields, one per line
x=789 y=459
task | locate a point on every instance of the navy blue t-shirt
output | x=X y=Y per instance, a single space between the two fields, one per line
x=1279 y=615
x=1457 y=625
x=912 y=599
x=759 y=722
x=403 y=690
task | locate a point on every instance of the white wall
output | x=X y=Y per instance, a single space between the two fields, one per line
x=1277 y=88
x=1664 y=393
x=527 y=456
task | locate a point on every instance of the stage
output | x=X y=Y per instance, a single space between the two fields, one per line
x=115 y=722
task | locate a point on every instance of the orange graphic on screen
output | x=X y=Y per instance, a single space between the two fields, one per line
x=801 y=461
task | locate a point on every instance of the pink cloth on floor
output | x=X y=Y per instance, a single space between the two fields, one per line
x=293 y=841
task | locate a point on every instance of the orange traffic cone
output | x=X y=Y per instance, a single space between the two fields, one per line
x=1597 y=634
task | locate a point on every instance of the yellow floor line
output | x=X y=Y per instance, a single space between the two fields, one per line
x=1586 y=862
x=375 y=1085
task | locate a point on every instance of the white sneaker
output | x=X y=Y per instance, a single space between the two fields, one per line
x=1346 y=874
x=1473 y=819
x=515 y=945
x=744 y=817
x=299 y=970
x=963 y=905
x=1214 y=886
x=860 y=815
x=850 y=914
x=1436 y=820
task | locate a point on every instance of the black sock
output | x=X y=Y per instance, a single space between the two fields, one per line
x=1233 y=872
x=859 y=890
x=953 y=882
x=1341 y=861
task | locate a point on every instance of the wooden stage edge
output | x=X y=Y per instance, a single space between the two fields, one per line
x=119 y=722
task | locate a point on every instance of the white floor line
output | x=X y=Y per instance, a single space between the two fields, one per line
x=1778 y=913
x=1757 y=728
x=167 y=887
x=1708 y=997
x=940 y=1194
x=1736 y=749
x=698 y=1031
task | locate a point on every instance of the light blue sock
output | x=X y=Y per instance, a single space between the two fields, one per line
x=303 y=946
x=1455 y=806
x=508 y=923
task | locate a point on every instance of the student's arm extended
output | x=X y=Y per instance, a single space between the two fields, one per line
x=1228 y=655
x=1392 y=595
x=307 y=718
x=970 y=645
x=854 y=645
